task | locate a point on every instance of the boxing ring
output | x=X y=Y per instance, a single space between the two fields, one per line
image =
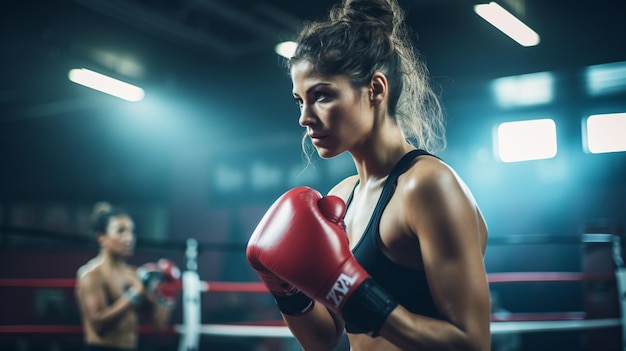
x=191 y=328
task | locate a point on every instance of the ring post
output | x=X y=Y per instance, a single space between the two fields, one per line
x=190 y=339
x=602 y=299
x=620 y=276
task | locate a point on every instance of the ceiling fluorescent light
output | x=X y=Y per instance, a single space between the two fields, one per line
x=106 y=84
x=507 y=23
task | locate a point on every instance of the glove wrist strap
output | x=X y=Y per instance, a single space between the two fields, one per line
x=368 y=308
x=296 y=304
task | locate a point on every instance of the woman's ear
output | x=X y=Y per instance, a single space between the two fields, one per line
x=100 y=237
x=378 y=88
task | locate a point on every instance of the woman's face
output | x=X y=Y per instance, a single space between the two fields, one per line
x=336 y=116
x=119 y=238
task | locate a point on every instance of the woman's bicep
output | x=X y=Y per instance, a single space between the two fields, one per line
x=91 y=296
x=449 y=230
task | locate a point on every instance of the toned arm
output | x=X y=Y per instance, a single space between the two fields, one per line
x=154 y=313
x=319 y=329
x=451 y=232
x=96 y=312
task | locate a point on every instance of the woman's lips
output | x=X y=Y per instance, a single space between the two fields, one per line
x=316 y=138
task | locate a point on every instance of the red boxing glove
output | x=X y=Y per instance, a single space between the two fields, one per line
x=290 y=300
x=169 y=269
x=150 y=276
x=302 y=240
x=161 y=279
x=170 y=285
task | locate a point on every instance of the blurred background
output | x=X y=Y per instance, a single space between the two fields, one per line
x=216 y=138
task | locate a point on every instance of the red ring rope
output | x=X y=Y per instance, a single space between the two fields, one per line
x=234 y=287
x=70 y=329
x=38 y=283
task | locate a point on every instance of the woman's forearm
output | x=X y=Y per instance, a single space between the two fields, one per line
x=318 y=329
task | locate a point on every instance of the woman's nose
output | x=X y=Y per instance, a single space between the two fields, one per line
x=306 y=117
x=129 y=236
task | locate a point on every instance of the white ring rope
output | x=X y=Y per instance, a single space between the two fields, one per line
x=252 y=331
x=543 y=326
x=496 y=328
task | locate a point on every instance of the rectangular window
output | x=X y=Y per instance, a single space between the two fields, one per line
x=605 y=133
x=605 y=79
x=524 y=90
x=526 y=140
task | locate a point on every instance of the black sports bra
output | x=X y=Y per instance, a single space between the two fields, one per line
x=408 y=286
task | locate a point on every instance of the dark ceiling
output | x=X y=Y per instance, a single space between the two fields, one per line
x=211 y=64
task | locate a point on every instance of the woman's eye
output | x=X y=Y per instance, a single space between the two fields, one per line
x=320 y=96
x=298 y=103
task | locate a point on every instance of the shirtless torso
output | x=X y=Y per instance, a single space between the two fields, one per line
x=109 y=317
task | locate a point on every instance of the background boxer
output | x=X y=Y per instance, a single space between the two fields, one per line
x=403 y=268
x=115 y=297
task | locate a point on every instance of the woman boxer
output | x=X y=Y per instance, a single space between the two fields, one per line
x=114 y=296
x=411 y=274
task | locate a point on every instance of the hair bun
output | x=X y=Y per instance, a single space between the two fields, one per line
x=100 y=207
x=380 y=12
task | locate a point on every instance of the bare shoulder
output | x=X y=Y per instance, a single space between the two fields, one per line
x=433 y=188
x=344 y=188
x=88 y=274
x=430 y=176
x=88 y=267
x=131 y=268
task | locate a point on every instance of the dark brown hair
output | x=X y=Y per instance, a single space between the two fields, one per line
x=361 y=37
x=101 y=215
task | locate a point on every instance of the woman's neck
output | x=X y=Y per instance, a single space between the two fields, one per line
x=111 y=261
x=378 y=155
